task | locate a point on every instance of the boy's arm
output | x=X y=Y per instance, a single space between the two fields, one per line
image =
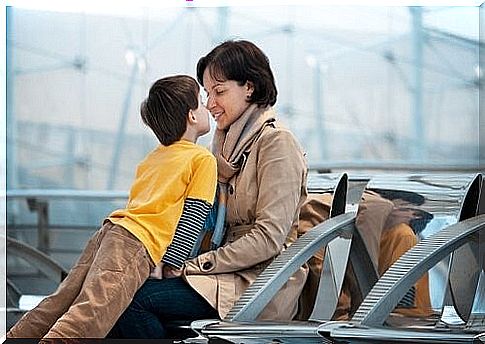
x=200 y=195
x=188 y=229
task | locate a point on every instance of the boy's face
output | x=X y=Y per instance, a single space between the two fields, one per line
x=202 y=115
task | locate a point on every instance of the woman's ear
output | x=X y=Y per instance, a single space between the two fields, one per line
x=249 y=86
x=249 y=89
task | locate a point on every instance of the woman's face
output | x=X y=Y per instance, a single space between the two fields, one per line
x=226 y=100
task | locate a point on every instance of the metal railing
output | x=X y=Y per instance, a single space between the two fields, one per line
x=38 y=201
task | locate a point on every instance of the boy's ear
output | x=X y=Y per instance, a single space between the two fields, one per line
x=191 y=117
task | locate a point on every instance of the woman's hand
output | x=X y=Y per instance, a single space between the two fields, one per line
x=171 y=272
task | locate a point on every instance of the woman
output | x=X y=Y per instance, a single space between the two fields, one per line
x=262 y=168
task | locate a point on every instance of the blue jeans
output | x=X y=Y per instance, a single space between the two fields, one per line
x=158 y=302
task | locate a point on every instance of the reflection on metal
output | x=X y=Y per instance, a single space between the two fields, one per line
x=408 y=167
x=463 y=277
x=321 y=183
x=362 y=266
x=441 y=195
x=329 y=332
x=476 y=321
x=197 y=327
x=258 y=295
x=362 y=334
x=481 y=203
x=404 y=273
x=336 y=256
x=355 y=192
x=464 y=271
x=332 y=277
x=253 y=330
x=441 y=200
x=277 y=273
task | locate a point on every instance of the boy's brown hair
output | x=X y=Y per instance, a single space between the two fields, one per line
x=166 y=108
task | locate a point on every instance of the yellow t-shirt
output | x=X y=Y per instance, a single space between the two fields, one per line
x=164 y=179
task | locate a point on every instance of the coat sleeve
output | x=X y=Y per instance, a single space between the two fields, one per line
x=281 y=172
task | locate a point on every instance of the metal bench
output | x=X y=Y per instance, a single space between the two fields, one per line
x=243 y=325
x=464 y=298
x=368 y=322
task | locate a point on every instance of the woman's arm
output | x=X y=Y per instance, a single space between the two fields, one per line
x=280 y=176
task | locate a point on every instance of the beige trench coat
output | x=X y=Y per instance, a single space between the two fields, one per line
x=263 y=205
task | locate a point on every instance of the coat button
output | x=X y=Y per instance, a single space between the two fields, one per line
x=231 y=189
x=207 y=266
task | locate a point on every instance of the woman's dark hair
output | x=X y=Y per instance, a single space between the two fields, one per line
x=169 y=101
x=241 y=61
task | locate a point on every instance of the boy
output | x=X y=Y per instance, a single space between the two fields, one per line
x=168 y=203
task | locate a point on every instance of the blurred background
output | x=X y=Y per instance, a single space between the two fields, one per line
x=377 y=88
x=357 y=85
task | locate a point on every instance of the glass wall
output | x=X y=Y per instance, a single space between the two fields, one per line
x=356 y=84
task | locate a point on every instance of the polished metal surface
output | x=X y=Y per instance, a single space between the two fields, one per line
x=441 y=198
x=262 y=332
x=393 y=166
x=476 y=320
x=361 y=334
x=466 y=262
x=437 y=199
x=320 y=183
x=337 y=255
x=293 y=328
x=258 y=295
x=397 y=280
x=441 y=195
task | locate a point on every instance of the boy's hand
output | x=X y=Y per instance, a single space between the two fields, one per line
x=157 y=271
x=171 y=272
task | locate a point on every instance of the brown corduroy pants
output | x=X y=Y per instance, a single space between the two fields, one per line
x=101 y=285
